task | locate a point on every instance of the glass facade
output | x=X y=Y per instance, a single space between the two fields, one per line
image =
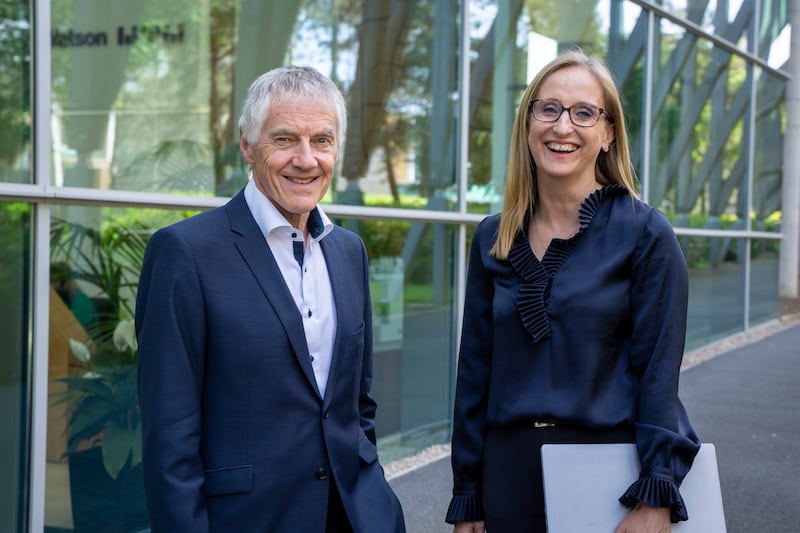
x=93 y=473
x=142 y=100
x=15 y=275
x=15 y=91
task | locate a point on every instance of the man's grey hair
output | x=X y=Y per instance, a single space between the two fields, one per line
x=295 y=82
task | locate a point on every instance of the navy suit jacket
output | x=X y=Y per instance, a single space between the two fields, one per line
x=235 y=434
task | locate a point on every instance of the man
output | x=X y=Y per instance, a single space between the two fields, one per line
x=255 y=342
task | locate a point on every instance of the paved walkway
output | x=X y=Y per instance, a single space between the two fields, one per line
x=746 y=401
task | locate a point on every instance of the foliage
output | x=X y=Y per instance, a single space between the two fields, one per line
x=15 y=245
x=101 y=396
x=103 y=401
x=705 y=252
x=384 y=238
x=15 y=65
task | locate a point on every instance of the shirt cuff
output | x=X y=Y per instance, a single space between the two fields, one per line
x=657 y=492
x=464 y=508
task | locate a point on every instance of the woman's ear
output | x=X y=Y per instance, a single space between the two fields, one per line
x=609 y=137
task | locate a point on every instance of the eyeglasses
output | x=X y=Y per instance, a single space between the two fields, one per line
x=583 y=115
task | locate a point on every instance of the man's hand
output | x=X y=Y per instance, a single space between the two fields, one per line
x=646 y=519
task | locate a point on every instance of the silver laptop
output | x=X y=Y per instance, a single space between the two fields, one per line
x=583 y=483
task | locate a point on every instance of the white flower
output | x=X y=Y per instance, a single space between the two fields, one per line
x=79 y=350
x=125 y=335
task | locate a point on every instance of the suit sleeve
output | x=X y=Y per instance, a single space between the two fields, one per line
x=366 y=403
x=171 y=328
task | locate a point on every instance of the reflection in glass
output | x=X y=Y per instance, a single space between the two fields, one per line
x=776 y=32
x=15 y=91
x=94 y=479
x=130 y=95
x=401 y=139
x=764 y=280
x=411 y=282
x=767 y=191
x=146 y=96
x=716 y=288
x=627 y=34
x=768 y=153
x=509 y=43
x=698 y=170
x=15 y=383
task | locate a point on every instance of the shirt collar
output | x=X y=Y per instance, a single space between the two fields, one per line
x=269 y=218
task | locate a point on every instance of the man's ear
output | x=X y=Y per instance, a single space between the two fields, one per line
x=244 y=148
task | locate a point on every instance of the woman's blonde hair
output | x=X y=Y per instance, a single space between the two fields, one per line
x=613 y=167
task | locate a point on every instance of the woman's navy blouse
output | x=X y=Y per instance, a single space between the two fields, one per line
x=592 y=335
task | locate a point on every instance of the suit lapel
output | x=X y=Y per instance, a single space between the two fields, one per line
x=256 y=253
x=335 y=260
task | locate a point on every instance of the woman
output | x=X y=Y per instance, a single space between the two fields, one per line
x=575 y=316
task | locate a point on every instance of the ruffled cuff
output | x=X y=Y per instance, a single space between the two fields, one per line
x=657 y=492
x=464 y=508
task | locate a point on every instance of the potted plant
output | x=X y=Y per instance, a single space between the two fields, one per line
x=103 y=429
x=103 y=402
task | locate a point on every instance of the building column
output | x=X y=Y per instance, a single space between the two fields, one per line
x=789 y=265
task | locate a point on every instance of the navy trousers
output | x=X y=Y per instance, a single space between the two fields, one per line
x=513 y=492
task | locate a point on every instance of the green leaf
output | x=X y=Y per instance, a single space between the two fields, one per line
x=117 y=444
x=136 y=450
x=87 y=385
x=88 y=419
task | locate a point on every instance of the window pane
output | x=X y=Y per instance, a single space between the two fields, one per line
x=716 y=288
x=770 y=126
x=764 y=280
x=147 y=94
x=627 y=35
x=396 y=63
x=766 y=209
x=509 y=43
x=733 y=21
x=411 y=281
x=15 y=309
x=697 y=170
x=775 y=31
x=130 y=95
x=15 y=94
x=93 y=480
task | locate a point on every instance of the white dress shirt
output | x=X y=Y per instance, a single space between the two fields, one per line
x=309 y=284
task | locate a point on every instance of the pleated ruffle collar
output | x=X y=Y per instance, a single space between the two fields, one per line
x=537 y=276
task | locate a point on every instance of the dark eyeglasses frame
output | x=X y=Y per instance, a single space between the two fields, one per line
x=601 y=113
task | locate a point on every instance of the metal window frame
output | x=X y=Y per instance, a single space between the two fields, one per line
x=39 y=342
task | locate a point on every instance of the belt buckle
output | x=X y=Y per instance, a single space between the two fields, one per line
x=540 y=424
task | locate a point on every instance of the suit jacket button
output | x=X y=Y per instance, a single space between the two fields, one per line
x=326 y=415
x=322 y=473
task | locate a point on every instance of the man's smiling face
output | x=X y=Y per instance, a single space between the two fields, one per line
x=294 y=158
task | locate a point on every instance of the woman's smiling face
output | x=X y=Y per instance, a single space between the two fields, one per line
x=561 y=149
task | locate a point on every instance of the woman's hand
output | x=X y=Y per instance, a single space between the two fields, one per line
x=646 y=519
x=469 y=527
